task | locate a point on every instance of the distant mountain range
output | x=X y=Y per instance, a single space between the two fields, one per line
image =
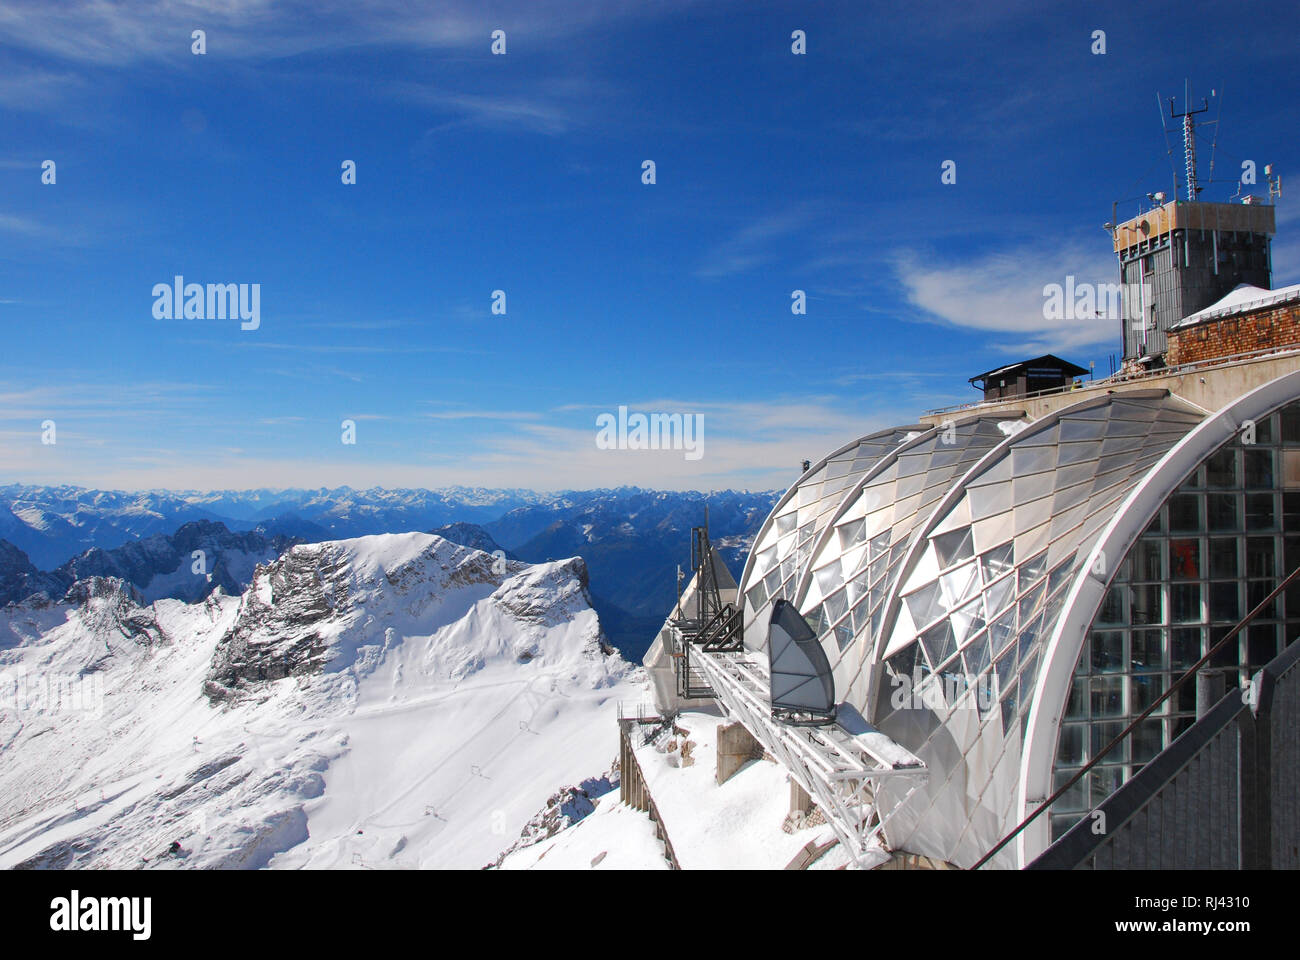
x=52 y=524
x=631 y=539
x=187 y=565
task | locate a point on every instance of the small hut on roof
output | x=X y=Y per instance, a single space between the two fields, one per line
x=1029 y=376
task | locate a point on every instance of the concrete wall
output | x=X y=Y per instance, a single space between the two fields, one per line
x=736 y=747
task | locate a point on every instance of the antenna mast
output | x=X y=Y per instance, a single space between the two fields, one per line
x=1189 y=137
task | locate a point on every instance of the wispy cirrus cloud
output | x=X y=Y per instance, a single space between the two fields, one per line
x=754 y=244
x=62 y=49
x=36 y=88
x=482 y=415
x=549 y=106
x=26 y=227
x=111 y=34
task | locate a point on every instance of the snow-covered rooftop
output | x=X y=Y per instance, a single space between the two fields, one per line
x=1243 y=299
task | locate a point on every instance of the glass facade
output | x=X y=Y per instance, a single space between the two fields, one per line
x=1211 y=554
x=956 y=581
x=982 y=597
x=784 y=545
x=858 y=563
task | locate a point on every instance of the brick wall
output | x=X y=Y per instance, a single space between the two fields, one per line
x=1241 y=333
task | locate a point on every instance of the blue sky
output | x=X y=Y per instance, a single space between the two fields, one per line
x=522 y=173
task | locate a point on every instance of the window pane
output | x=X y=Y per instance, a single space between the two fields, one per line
x=1112 y=606
x=1223 y=557
x=1107 y=651
x=1184 y=513
x=1145 y=601
x=1185 y=649
x=1071 y=747
x=1185 y=602
x=1261 y=644
x=1147 y=560
x=1147 y=739
x=1103 y=734
x=1258 y=468
x=1077 y=706
x=1260 y=552
x=1256 y=591
x=1221 y=509
x=1185 y=559
x=1224 y=602
x=1221 y=469
x=1107 y=698
x=1103 y=781
x=1261 y=511
x=1144 y=690
x=1290 y=418
x=1147 y=651
x=1265 y=430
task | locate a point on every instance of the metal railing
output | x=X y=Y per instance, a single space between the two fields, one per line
x=1223 y=796
x=1119 y=378
x=1155 y=705
x=725 y=632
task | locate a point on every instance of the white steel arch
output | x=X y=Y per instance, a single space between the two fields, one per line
x=1086 y=594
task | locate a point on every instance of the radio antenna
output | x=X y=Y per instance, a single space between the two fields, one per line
x=1189 y=137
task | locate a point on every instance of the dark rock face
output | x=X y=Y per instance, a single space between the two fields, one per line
x=158 y=566
x=109 y=607
x=473 y=536
x=277 y=633
x=19 y=578
x=634 y=540
x=563 y=810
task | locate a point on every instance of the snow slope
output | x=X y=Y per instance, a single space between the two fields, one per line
x=394 y=700
x=613 y=837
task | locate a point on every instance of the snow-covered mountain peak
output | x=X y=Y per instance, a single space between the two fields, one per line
x=395 y=699
x=330 y=607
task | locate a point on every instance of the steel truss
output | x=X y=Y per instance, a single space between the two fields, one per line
x=840 y=770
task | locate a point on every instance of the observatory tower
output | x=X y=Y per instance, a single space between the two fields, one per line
x=1184 y=254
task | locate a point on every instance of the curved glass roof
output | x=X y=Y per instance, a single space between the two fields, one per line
x=785 y=541
x=952 y=575
x=858 y=558
x=981 y=591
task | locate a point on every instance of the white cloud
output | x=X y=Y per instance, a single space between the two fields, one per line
x=33 y=88
x=1286 y=246
x=1002 y=294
